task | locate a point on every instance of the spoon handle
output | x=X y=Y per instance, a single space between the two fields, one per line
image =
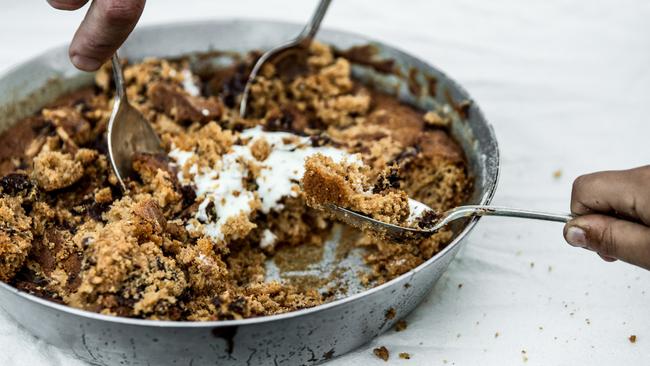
x=118 y=77
x=478 y=210
x=309 y=32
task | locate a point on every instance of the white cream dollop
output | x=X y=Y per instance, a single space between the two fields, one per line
x=223 y=184
x=188 y=83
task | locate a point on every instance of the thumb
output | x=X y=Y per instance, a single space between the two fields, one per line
x=105 y=27
x=611 y=238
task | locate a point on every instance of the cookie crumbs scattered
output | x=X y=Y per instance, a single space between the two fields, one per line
x=557 y=174
x=133 y=255
x=390 y=313
x=381 y=352
x=405 y=355
x=632 y=338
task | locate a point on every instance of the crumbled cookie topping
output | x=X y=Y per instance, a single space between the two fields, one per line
x=190 y=238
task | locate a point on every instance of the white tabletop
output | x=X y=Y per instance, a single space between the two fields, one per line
x=566 y=85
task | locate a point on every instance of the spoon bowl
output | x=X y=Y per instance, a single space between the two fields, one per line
x=302 y=41
x=128 y=132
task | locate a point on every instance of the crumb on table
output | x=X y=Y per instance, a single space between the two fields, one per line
x=405 y=355
x=400 y=325
x=381 y=352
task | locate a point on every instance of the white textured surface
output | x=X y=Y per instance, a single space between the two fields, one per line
x=566 y=85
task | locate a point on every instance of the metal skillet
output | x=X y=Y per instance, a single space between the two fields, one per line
x=307 y=336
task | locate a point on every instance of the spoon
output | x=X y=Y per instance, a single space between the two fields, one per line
x=128 y=131
x=423 y=213
x=302 y=41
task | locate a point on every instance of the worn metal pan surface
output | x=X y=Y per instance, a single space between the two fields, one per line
x=308 y=336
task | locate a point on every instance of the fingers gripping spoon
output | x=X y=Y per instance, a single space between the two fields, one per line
x=128 y=131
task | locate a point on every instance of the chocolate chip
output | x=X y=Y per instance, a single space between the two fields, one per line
x=386 y=180
x=189 y=195
x=283 y=122
x=319 y=140
x=211 y=212
x=15 y=183
x=428 y=219
x=234 y=86
x=86 y=241
x=238 y=306
x=407 y=154
x=96 y=209
x=160 y=265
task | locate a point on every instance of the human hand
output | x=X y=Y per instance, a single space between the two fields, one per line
x=613 y=211
x=106 y=25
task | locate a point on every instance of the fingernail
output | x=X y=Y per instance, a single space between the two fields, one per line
x=607 y=258
x=86 y=63
x=576 y=237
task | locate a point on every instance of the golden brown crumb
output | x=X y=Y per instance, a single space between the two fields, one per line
x=557 y=174
x=237 y=227
x=260 y=149
x=632 y=338
x=381 y=352
x=104 y=195
x=54 y=170
x=390 y=313
x=434 y=119
x=400 y=325
x=405 y=355
x=86 y=156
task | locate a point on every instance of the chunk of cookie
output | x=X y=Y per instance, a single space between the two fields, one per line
x=15 y=236
x=183 y=107
x=55 y=170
